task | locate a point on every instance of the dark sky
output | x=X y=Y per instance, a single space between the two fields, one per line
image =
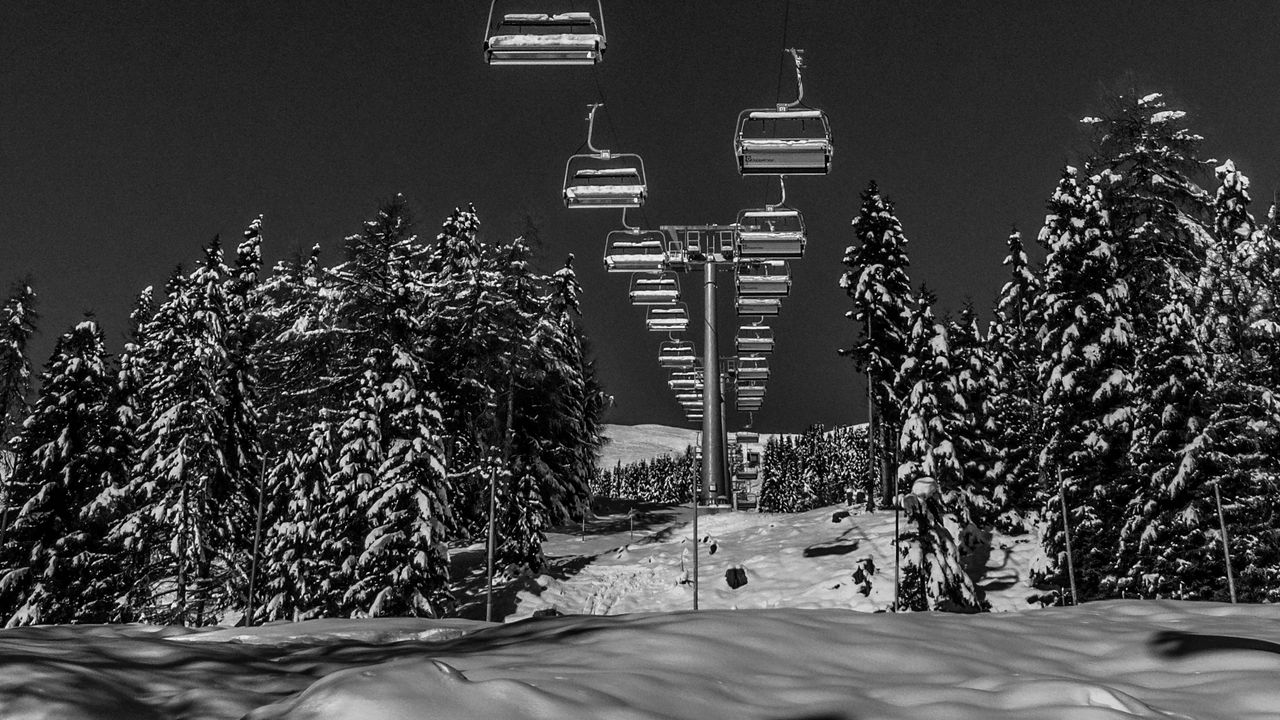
x=131 y=132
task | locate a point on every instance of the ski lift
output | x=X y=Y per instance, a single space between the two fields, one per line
x=764 y=278
x=689 y=396
x=748 y=405
x=571 y=38
x=686 y=381
x=753 y=367
x=676 y=354
x=667 y=319
x=727 y=240
x=749 y=389
x=603 y=179
x=775 y=232
x=743 y=437
x=790 y=139
x=634 y=251
x=655 y=289
x=760 y=307
x=677 y=254
x=754 y=339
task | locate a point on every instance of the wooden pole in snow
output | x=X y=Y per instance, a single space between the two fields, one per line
x=1226 y=542
x=1066 y=529
x=257 y=540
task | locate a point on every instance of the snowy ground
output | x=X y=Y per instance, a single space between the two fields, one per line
x=804 y=656
x=803 y=560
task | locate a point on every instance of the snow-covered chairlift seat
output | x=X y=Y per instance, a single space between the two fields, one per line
x=783 y=142
x=677 y=354
x=571 y=38
x=766 y=278
x=753 y=367
x=764 y=307
x=615 y=187
x=777 y=233
x=654 y=290
x=628 y=251
x=754 y=339
x=667 y=319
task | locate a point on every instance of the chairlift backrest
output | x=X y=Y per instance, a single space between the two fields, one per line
x=525 y=38
x=605 y=180
x=634 y=251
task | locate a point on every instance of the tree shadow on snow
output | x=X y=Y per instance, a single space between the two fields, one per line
x=1176 y=644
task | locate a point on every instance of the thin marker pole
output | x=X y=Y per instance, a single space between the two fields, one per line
x=1066 y=531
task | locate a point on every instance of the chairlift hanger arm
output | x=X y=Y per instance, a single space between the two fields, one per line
x=797 y=55
x=591 y=126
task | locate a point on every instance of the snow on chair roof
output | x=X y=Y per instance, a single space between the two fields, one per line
x=784 y=114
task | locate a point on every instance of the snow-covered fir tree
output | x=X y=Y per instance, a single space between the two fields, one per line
x=378 y=521
x=1168 y=540
x=931 y=476
x=59 y=564
x=17 y=325
x=976 y=383
x=1015 y=399
x=876 y=281
x=188 y=527
x=1085 y=368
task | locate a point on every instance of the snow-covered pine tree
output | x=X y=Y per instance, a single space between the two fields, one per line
x=463 y=319
x=1145 y=159
x=381 y=520
x=931 y=477
x=1240 y=437
x=877 y=282
x=301 y=396
x=976 y=382
x=1085 y=368
x=1015 y=399
x=190 y=519
x=60 y=566
x=1168 y=541
x=17 y=325
x=402 y=567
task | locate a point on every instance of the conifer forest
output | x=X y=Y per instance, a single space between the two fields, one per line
x=308 y=440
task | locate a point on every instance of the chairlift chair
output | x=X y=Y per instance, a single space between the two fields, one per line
x=783 y=141
x=676 y=354
x=677 y=255
x=762 y=307
x=689 y=395
x=789 y=139
x=572 y=38
x=774 y=232
x=634 y=251
x=753 y=367
x=754 y=339
x=746 y=438
x=656 y=289
x=620 y=186
x=602 y=178
x=664 y=319
x=685 y=380
x=748 y=405
x=763 y=278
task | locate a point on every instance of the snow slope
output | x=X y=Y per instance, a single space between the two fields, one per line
x=1109 y=660
x=633 y=443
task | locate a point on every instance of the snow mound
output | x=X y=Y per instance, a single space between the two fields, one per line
x=1097 y=661
x=385 y=630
